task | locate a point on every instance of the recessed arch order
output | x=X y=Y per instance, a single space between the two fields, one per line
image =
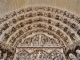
x=58 y=21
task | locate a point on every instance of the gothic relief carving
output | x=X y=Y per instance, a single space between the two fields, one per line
x=40 y=40
x=6 y=52
x=39 y=55
x=38 y=29
x=73 y=51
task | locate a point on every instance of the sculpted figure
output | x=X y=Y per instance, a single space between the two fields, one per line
x=72 y=56
x=78 y=54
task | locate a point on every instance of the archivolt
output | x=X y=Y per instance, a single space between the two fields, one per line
x=36 y=25
x=39 y=31
x=66 y=22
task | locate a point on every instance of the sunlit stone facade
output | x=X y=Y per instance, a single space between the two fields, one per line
x=40 y=33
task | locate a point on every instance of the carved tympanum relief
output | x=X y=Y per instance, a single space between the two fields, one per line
x=42 y=33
